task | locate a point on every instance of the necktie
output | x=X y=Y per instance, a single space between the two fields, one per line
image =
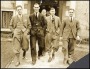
x=71 y=19
x=36 y=15
x=52 y=19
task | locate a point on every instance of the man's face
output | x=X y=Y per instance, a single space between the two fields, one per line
x=44 y=12
x=71 y=13
x=52 y=11
x=36 y=8
x=19 y=10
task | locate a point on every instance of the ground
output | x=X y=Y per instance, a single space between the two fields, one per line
x=8 y=59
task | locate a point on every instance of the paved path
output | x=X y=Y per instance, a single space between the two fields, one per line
x=41 y=63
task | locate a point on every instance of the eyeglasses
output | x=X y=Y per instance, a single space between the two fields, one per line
x=70 y=12
x=36 y=7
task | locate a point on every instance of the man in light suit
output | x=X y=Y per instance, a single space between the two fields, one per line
x=70 y=33
x=53 y=34
x=20 y=26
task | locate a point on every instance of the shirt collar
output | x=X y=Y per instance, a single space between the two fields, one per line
x=37 y=13
x=19 y=15
x=70 y=18
x=51 y=16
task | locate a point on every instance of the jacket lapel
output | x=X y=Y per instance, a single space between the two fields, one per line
x=17 y=19
x=56 y=22
x=33 y=16
x=74 y=21
x=49 y=22
x=71 y=24
x=38 y=16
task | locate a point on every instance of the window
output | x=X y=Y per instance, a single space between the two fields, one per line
x=6 y=17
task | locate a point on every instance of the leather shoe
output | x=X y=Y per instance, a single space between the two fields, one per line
x=50 y=59
x=33 y=62
x=17 y=64
x=69 y=61
x=53 y=56
x=38 y=57
x=65 y=61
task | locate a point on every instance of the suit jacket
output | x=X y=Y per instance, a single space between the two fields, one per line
x=67 y=26
x=40 y=20
x=57 y=24
x=51 y=38
x=16 y=32
x=14 y=21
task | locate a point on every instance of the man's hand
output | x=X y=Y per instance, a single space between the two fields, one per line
x=61 y=38
x=60 y=43
x=54 y=36
x=78 y=38
x=24 y=29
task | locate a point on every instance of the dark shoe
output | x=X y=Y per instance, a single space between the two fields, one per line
x=43 y=54
x=50 y=59
x=17 y=64
x=24 y=54
x=38 y=57
x=68 y=62
x=24 y=58
x=65 y=61
x=53 y=56
x=33 y=62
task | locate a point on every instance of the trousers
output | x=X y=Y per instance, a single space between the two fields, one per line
x=68 y=47
x=37 y=34
x=20 y=40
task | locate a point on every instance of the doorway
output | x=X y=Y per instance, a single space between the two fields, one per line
x=47 y=4
x=59 y=6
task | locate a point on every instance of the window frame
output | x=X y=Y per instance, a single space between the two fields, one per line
x=6 y=29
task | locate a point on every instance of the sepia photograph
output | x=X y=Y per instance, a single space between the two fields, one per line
x=44 y=33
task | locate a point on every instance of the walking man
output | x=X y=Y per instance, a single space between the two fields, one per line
x=53 y=34
x=70 y=33
x=37 y=32
x=20 y=26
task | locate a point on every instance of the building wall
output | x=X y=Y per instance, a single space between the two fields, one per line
x=6 y=5
x=7 y=10
x=82 y=14
x=62 y=9
x=81 y=11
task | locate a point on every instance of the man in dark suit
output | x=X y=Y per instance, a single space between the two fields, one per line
x=70 y=33
x=37 y=32
x=20 y=26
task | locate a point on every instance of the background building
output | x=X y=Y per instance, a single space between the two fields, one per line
x=81 y=11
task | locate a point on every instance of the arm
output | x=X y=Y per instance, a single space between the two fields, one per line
x=44 y=23
x=47 y=29
x=62 y=27
x=59 y=26
x=28 y=24
x=78 y=28
x=11 y=24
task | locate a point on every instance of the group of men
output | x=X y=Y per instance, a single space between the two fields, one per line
x=47 y=31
